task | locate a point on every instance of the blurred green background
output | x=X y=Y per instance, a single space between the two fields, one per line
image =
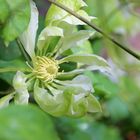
x=118 y=94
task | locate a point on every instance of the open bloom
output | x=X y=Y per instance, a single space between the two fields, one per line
x=57 y=91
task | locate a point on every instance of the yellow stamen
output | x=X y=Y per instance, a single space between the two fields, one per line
x=45 y=69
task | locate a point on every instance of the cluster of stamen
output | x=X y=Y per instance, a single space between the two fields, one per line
x=45 y=69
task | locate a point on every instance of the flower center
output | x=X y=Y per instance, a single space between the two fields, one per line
x=46 y=69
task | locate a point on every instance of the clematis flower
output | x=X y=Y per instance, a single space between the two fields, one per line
x=55 y=90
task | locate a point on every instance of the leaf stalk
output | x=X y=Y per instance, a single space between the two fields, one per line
x=126 y=49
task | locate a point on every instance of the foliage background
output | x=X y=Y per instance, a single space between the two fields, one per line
x=119 y=95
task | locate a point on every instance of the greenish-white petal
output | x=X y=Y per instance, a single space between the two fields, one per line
x=73 y=101
x=20 y=86
x=87 y=59
x=4 y=101
x=85 y=46
x=74 y=40
x=68 y=75
x=105 y=70
x=54 y=91
x=53 y=104
x=48 y=32
x=93 y=104
x=78 y=104
x=57 y=14
x=29 y=36
x=81 y=81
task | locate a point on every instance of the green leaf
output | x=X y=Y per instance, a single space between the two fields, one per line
x=7 y=77
x=8 y=69
x=25 y=123
x=103 y=86
x=14 y=18
x=14 y=65
x=74 y=40
x=101 y=131
x=87 y=129
x=117 y=108
x=4 y=101
x=88 y=59
x=11 y=52
x=20 y=86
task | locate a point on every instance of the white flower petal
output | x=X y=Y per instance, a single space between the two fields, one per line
x=81 y=81
x=75 y=39
x=87 y=59
x=29 y=36
x=46 y=33
x=57 y=14
x=20 y=86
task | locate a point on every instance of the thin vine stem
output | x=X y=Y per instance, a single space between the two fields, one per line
x=23 y=51
x=134 y=54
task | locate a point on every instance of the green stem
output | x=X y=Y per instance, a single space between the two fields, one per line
x=23 y=51
x=9 y=91
x=2 y=70
x=96 y=28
